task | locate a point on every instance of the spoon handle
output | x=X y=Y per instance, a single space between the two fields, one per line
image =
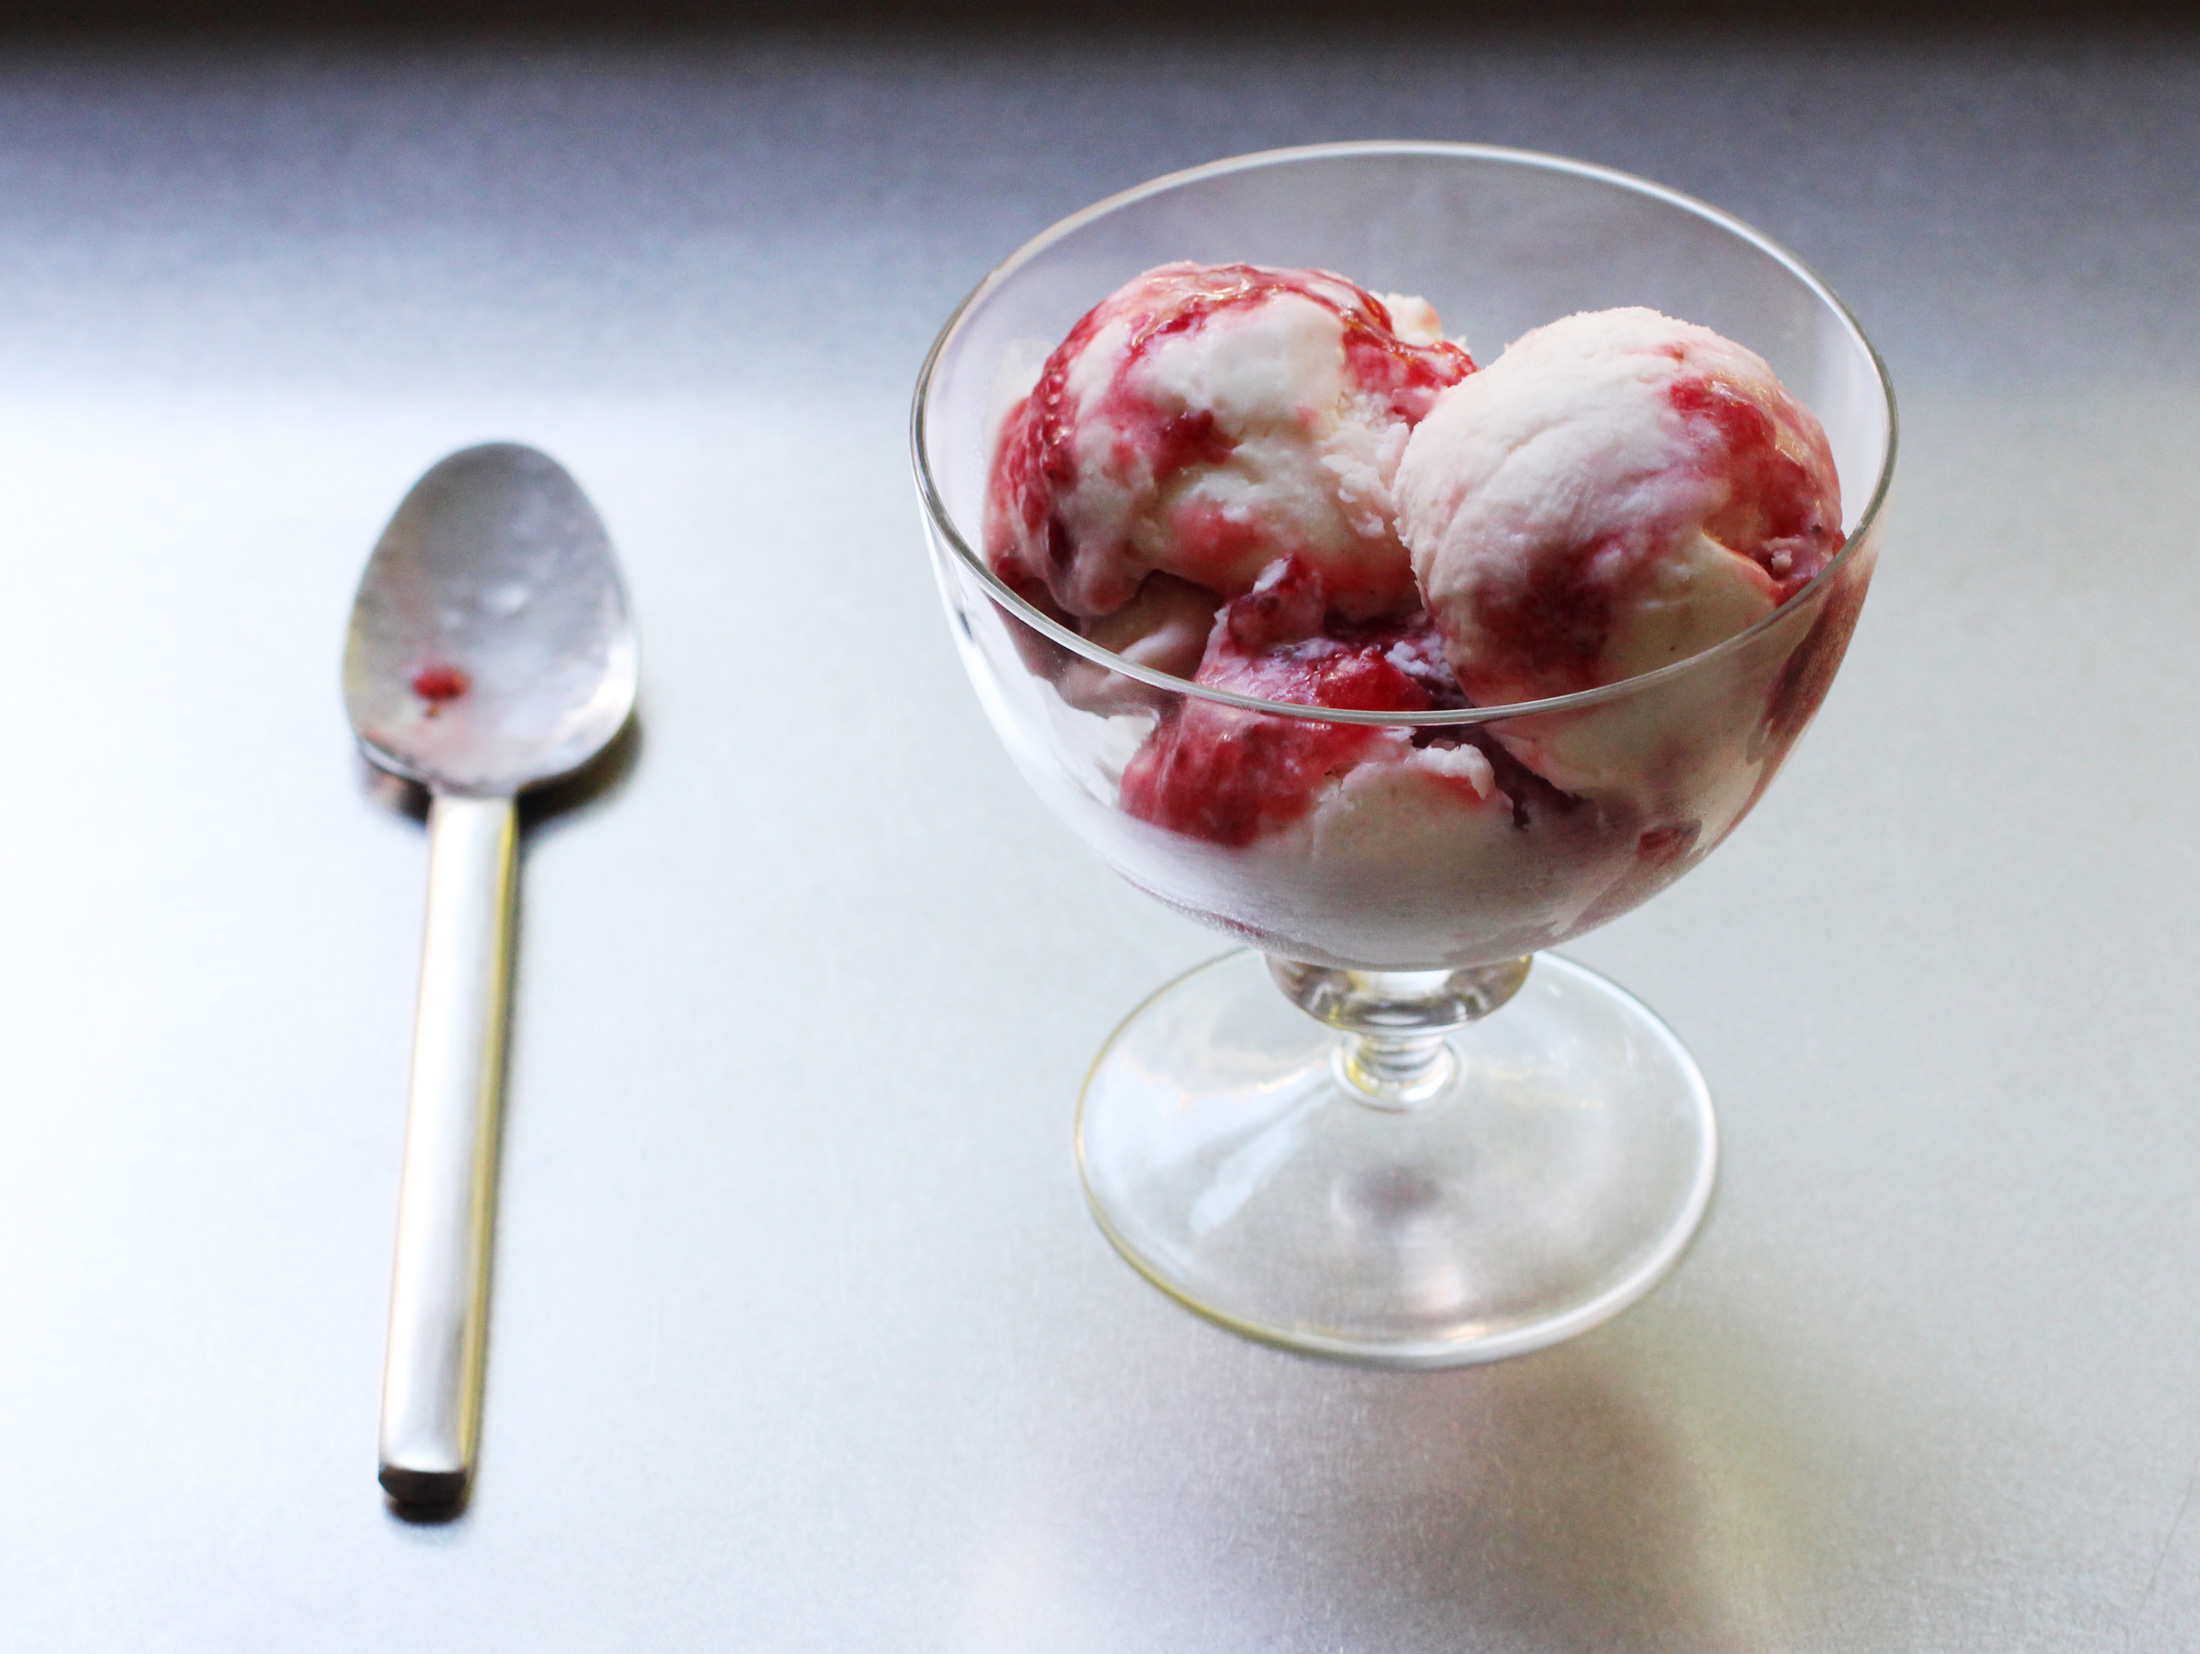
x=431 y=1377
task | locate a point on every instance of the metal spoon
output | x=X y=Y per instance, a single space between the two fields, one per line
x=490 y=650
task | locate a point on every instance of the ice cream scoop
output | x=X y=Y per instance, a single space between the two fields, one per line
x=1617 y=491
x=1205 y=420
x=490 y=650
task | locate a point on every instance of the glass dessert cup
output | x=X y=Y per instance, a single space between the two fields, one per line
x=1437 y=1143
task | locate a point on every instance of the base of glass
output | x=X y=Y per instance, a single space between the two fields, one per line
x=1549 y=1182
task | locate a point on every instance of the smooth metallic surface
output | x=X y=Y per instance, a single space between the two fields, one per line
x=804 y=1338
x=490 y=650
x=431 y=1374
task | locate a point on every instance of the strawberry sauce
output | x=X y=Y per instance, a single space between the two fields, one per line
x=1228 y=775
x=1775 y=513
x=439 y=684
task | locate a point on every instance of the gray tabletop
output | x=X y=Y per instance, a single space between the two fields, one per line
x=802 y=1339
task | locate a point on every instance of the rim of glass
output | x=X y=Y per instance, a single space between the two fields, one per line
x=1039 y=621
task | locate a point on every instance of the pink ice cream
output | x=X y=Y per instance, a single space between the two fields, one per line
x=1617 y=491
x=1204 y=421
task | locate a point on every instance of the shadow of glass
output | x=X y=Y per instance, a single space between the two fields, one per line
x=1560 y=1503
x=1623 y=1492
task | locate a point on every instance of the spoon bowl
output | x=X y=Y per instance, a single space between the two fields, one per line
x=490 y=648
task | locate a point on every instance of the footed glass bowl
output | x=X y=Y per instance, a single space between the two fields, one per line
x=1438 y=1143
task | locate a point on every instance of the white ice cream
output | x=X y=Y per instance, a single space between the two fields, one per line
x=1616 y=492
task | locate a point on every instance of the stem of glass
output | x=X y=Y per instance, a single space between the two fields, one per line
x=1394 y=1053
